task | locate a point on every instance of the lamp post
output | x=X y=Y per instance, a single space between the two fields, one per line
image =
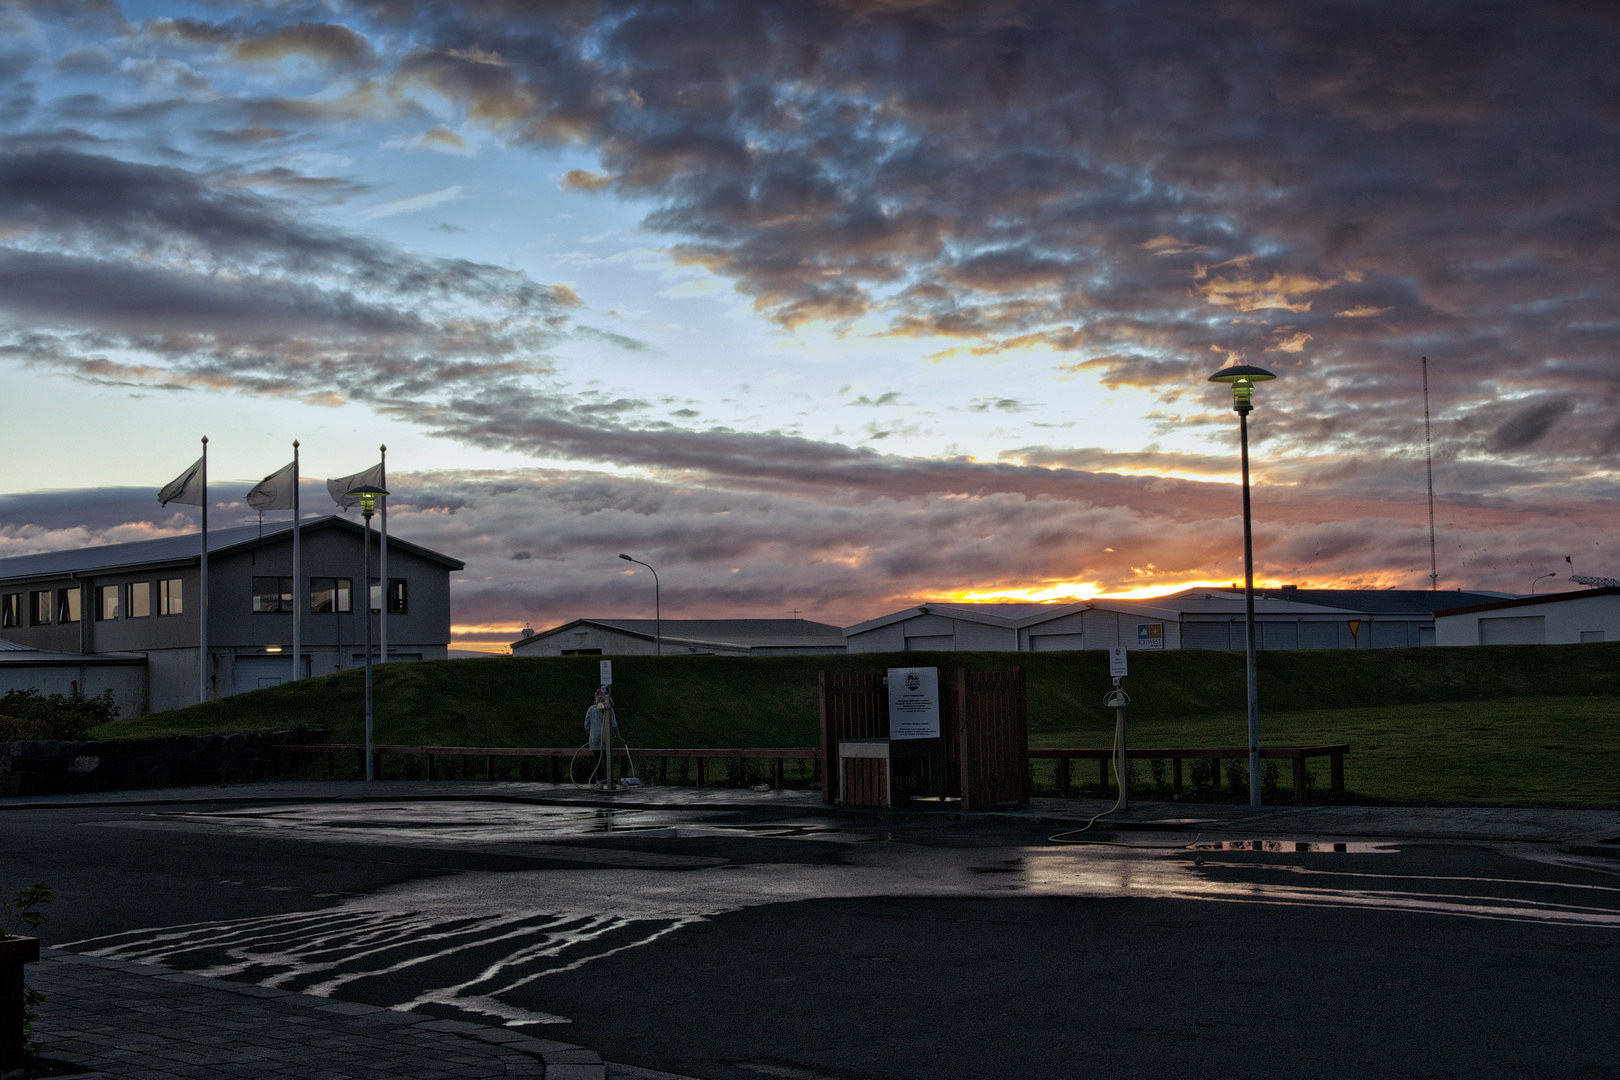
x=1242 y=377
x=368 y=497
x=658 y=613
x=1539 y=580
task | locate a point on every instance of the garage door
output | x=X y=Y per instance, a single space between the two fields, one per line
x=932 y=643
x=1520 y=630
x=252 y=672
x=1056 y=642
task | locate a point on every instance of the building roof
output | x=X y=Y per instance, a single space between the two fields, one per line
x=14 y=655
x=714 y=633
x=1382 y=601
x=1011 y=615
x=184 y=549
x=1531 y=601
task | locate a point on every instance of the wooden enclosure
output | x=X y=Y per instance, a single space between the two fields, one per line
x=983 y=725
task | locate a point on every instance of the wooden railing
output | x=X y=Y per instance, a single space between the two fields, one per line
x=1297 y=754
x=780 y=754
x=555 y=754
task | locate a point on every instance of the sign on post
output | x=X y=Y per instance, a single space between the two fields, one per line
x=914 y=703
x=1116 y=662
x=606 y=668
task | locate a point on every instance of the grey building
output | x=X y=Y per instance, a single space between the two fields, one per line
x=141 y=599
x=706 y=637
x=1285 y=618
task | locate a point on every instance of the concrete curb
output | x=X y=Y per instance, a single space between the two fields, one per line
x=1602 y=849
x=561 y=1061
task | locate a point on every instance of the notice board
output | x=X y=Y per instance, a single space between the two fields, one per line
x=914 y=703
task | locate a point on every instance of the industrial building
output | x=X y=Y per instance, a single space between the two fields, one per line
x=1285 y=618
x=1555 y=619
x=705 y=637
x=125 y=616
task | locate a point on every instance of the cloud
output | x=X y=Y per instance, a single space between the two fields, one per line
x=413 y=203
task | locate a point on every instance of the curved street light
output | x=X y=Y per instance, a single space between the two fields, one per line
x=1242 y=378
x=1537 y=581
x=658 y=613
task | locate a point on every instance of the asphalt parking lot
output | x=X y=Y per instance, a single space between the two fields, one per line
x=732 y=941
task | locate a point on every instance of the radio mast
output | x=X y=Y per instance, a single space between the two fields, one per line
x=1428 y=461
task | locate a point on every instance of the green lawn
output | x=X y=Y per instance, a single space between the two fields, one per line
x=1499 y=724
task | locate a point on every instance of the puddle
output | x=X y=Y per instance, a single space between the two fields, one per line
x=1277 y=847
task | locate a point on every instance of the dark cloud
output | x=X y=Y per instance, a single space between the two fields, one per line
x=1527 y=426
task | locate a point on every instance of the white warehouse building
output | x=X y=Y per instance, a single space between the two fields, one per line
x=1285 y=618
x=1555 y=619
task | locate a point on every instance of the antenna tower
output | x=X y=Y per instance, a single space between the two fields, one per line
x=1428 y=461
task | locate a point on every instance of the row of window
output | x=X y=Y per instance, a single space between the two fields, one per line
x=47 y=606
x=326 y=595
x=134 y=600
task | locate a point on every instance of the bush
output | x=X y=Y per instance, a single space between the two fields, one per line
x=28 y=714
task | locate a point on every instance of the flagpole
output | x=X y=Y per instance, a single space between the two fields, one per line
x=202 y=593
x=298 y=580
x=382 y=569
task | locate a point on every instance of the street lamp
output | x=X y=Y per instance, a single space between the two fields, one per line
x=1243 y=377
x=368 y=497
x=658 y=613
x=1539 y=580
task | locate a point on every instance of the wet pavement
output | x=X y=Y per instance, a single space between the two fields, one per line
x=729 y=934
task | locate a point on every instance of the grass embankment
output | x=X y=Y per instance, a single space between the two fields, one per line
x=1500 y=724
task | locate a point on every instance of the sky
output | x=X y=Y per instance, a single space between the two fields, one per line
x=824 y=307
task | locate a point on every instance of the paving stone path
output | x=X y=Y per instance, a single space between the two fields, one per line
x=136 y=1022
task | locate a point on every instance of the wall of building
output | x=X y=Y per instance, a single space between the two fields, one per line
x=1562 y=622
x=127 y=681
x=1293 y=632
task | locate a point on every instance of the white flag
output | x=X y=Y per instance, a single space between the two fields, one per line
x=274 y=492
x=339 y=488
x=186 y=489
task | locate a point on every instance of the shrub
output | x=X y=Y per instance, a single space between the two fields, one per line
x=28 y=714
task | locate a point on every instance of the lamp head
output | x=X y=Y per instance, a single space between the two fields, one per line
x=1242 y=377
x=368 y=496
x=627 y=558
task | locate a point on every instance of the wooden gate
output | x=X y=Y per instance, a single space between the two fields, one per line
x=982 y=724
x=993 y=737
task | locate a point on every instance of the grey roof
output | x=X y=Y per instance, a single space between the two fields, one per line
x=1531 y=601
x=735 y=633
x=1384 y=601
x=1011 y=615
x=181 y=549
x=15 y=655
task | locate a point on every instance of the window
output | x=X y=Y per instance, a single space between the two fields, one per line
x=169 y=596
x=331 y=594
x=68 y=602
x=272 y=594
x=11 y=609
x=39 y=608
x=108 y=599
x=396 y=596
x=140 y=600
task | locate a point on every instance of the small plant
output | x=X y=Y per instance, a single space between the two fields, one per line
x=1237 y=775
x=28 y=714
x=683 y=771
x=1270 y=780
x=21 y=911
x=1157 y=765
x=1198 y=771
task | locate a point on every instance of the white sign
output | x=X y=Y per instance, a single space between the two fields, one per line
x=606 y=667
x=914 y=703
x=1116 y=662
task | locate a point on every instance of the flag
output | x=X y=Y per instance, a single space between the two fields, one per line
x=274 y=492
x=339 y=488
x=186 y=489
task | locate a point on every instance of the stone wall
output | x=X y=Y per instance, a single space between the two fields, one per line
x=53 y=767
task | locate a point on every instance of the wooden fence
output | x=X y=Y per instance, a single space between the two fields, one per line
x=983 y=727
